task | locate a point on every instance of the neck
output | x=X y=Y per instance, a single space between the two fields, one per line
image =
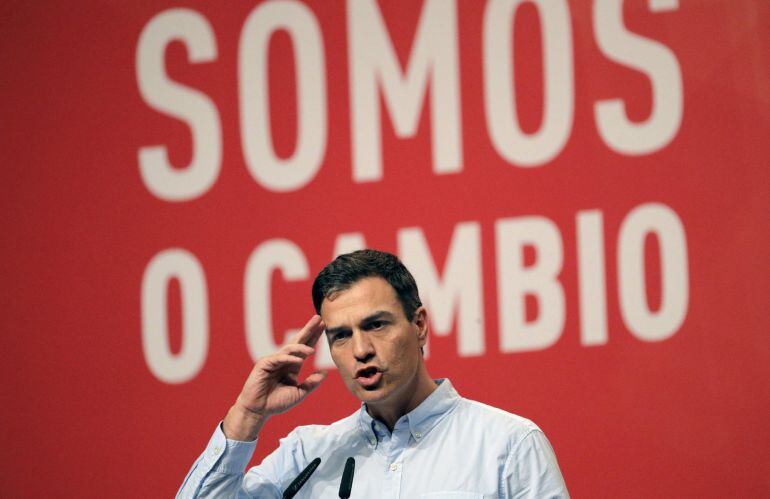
x=412 y=395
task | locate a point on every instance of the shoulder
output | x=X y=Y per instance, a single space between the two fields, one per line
x=340 y=426
x=316 y=437
x=496 y=422
x=495 y=416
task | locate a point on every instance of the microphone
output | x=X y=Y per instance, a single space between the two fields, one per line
x=347 y=478
x=303 y=476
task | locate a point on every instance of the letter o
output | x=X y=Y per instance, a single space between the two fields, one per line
x=182 y=265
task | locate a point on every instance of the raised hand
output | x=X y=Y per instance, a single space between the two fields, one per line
x=273 y=386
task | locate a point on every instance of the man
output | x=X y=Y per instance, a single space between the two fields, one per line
x=413 y=436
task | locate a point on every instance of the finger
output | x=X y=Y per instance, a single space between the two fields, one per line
x=298 y=350
x=317 y=332
x=280 y=361
x=309 y=334
x=313 y=381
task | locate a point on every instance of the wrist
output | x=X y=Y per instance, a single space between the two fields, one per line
x=242 y=424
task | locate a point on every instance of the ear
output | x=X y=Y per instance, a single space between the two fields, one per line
x=420 y=321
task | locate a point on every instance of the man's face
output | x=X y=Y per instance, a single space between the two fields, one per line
x=375 y=347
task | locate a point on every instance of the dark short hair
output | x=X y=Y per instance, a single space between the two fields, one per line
x=347 y=269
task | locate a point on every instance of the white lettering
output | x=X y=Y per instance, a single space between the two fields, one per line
x=591 y=278
x=653 y=59
x=373 y=64
x=460 y=290
x=663 y=222
x=515 y=281
x=183 y=266
x=193 y=107
x=300 y=24
x=271 y=255
x=348 y=242
x=509 y=140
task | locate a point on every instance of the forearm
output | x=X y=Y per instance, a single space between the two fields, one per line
x=242 y=425
x=219 y=471
x=272 y=387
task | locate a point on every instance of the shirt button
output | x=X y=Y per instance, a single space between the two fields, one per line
x=393 y=467
x=418 y=435
x=217 y=450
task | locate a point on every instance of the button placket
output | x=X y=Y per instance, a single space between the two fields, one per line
x=399 y=443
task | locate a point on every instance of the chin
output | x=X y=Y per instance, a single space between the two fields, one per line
x=373 y=395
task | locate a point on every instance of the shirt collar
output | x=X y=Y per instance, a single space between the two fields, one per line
x=422 y=418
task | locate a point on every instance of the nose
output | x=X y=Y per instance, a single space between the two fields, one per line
x=363 y=349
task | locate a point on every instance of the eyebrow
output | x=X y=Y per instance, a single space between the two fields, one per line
x=374 y=317
x=334 y=330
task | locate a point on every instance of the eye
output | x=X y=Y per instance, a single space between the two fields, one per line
x=377 y=325
x=338 y=336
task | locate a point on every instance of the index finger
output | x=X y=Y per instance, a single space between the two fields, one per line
x=310 y=333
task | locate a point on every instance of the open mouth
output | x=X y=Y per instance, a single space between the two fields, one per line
x=368 y=377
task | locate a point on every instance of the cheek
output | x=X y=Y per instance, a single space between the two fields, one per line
x=339 y=359
x=403 y=353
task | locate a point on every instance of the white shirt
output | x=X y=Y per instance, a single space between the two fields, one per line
x=446 y=447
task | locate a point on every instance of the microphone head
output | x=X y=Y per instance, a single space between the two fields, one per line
x=347 y=478
x=298 y=482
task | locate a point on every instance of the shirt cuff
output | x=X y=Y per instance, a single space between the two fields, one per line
x=228 y=456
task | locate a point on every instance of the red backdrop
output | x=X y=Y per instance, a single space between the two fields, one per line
x=581 y=188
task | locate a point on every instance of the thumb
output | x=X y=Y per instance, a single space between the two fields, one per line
x=312 y=382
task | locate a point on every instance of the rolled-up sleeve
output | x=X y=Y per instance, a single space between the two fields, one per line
x=218 y=472
x=531 y=470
